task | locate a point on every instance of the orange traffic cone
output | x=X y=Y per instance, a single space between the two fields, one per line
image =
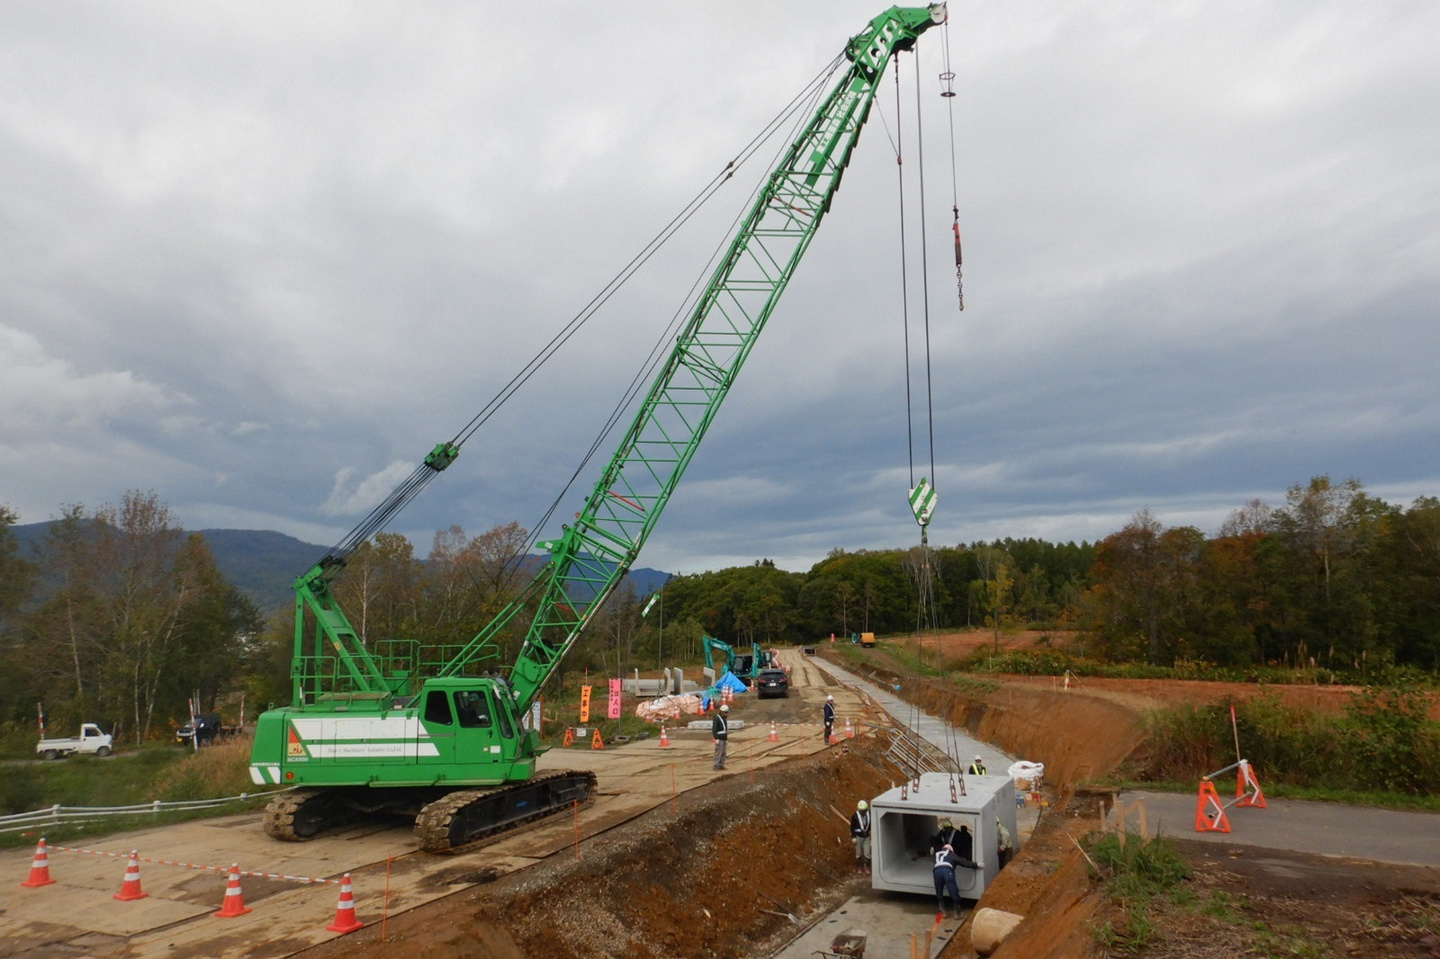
x=774 y=733
x=595 y=741
x=130 y=888
x=1247 y=787
x=345 y=920
x=1209 y=814
x=664 y=736
x=39 y=869
x=234 y=904
x=849 y=729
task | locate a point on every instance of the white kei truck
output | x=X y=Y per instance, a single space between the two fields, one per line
x=90 y=740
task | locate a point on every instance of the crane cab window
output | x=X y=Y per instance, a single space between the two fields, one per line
x=437 y=709
x=473 y=710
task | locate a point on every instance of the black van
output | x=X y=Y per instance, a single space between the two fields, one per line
x=204 y=731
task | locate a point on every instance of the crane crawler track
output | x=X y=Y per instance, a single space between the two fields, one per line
x=303 y=814
x=467 y=816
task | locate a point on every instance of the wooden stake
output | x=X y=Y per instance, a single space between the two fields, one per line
x=385 y=913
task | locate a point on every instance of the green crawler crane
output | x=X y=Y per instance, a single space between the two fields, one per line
x=421 y=733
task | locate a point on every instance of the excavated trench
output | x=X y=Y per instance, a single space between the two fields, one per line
x=736 y=868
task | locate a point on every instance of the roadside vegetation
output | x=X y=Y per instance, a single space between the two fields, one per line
x=154 y=772
x=1135 y=870
x=1383 y=749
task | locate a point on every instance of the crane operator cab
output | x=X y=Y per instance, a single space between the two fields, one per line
x=468 y=724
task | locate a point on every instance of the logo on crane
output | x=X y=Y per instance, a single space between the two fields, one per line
x=294 y=748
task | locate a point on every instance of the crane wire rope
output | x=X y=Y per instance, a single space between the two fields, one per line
x=947 y=92
x=914 y=712
x=421 y=476
x=947 y=79
x=927 y=616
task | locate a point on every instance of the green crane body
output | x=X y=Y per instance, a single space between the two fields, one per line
x=419 y=731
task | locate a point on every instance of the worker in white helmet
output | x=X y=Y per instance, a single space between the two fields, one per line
x=860 y=833
x=977 y=768
x=829 y=717
x=720 y=732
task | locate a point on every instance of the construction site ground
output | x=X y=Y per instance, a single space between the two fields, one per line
x=674 y=859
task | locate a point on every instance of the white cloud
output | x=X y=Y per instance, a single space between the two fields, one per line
x=241 y=245
x=352 y=497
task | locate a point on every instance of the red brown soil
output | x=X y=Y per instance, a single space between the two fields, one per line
x=712 y=878
x=715 y=877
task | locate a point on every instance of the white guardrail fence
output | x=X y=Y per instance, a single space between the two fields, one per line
x=85 y=814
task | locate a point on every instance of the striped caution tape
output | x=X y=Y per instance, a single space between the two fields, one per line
x=196 y=865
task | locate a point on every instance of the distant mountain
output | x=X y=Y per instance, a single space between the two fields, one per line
x=263 y=563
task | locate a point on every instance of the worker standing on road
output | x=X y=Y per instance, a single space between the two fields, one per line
x=720 y=732
x=977 y=768
x=860 y=832
x=829 y=717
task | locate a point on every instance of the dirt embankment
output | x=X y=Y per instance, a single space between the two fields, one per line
x=1077 y=737
x=716 y=874
x=711 y=876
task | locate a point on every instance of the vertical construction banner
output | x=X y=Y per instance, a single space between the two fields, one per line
x=530 y=719
x=614 y=699
x=584 y=704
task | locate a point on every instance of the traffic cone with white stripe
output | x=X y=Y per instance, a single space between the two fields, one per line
x=39 y=869
x=774 y=733
x=130 y=888
x=664 y=736
x=1209 y=814
x=849 y=729
x=234 y=904
x=345 y=920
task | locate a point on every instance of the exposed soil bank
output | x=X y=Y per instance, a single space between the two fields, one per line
x=711 y=877
x=1077 y=736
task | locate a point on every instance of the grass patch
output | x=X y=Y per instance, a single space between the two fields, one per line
x=1135 y=870
x=1381 y=747
x=153 y=772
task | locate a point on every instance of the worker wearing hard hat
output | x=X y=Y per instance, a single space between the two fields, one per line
x=720 y=732
x=977 y=768
x=829 y=717
x=860 y=833
x=1003 y=843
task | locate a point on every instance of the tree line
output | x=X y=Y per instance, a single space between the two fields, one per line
x=1333 y=579
x=122 y=616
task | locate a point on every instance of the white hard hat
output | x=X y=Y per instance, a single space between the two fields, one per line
x=830 y=698
x=724 y=709
x=862 y=805
x=978 y=758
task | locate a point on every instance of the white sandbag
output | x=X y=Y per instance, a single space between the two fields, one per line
x=669 y=707
x=1025 y=770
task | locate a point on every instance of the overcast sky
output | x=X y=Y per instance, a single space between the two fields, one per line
x=260 y=257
